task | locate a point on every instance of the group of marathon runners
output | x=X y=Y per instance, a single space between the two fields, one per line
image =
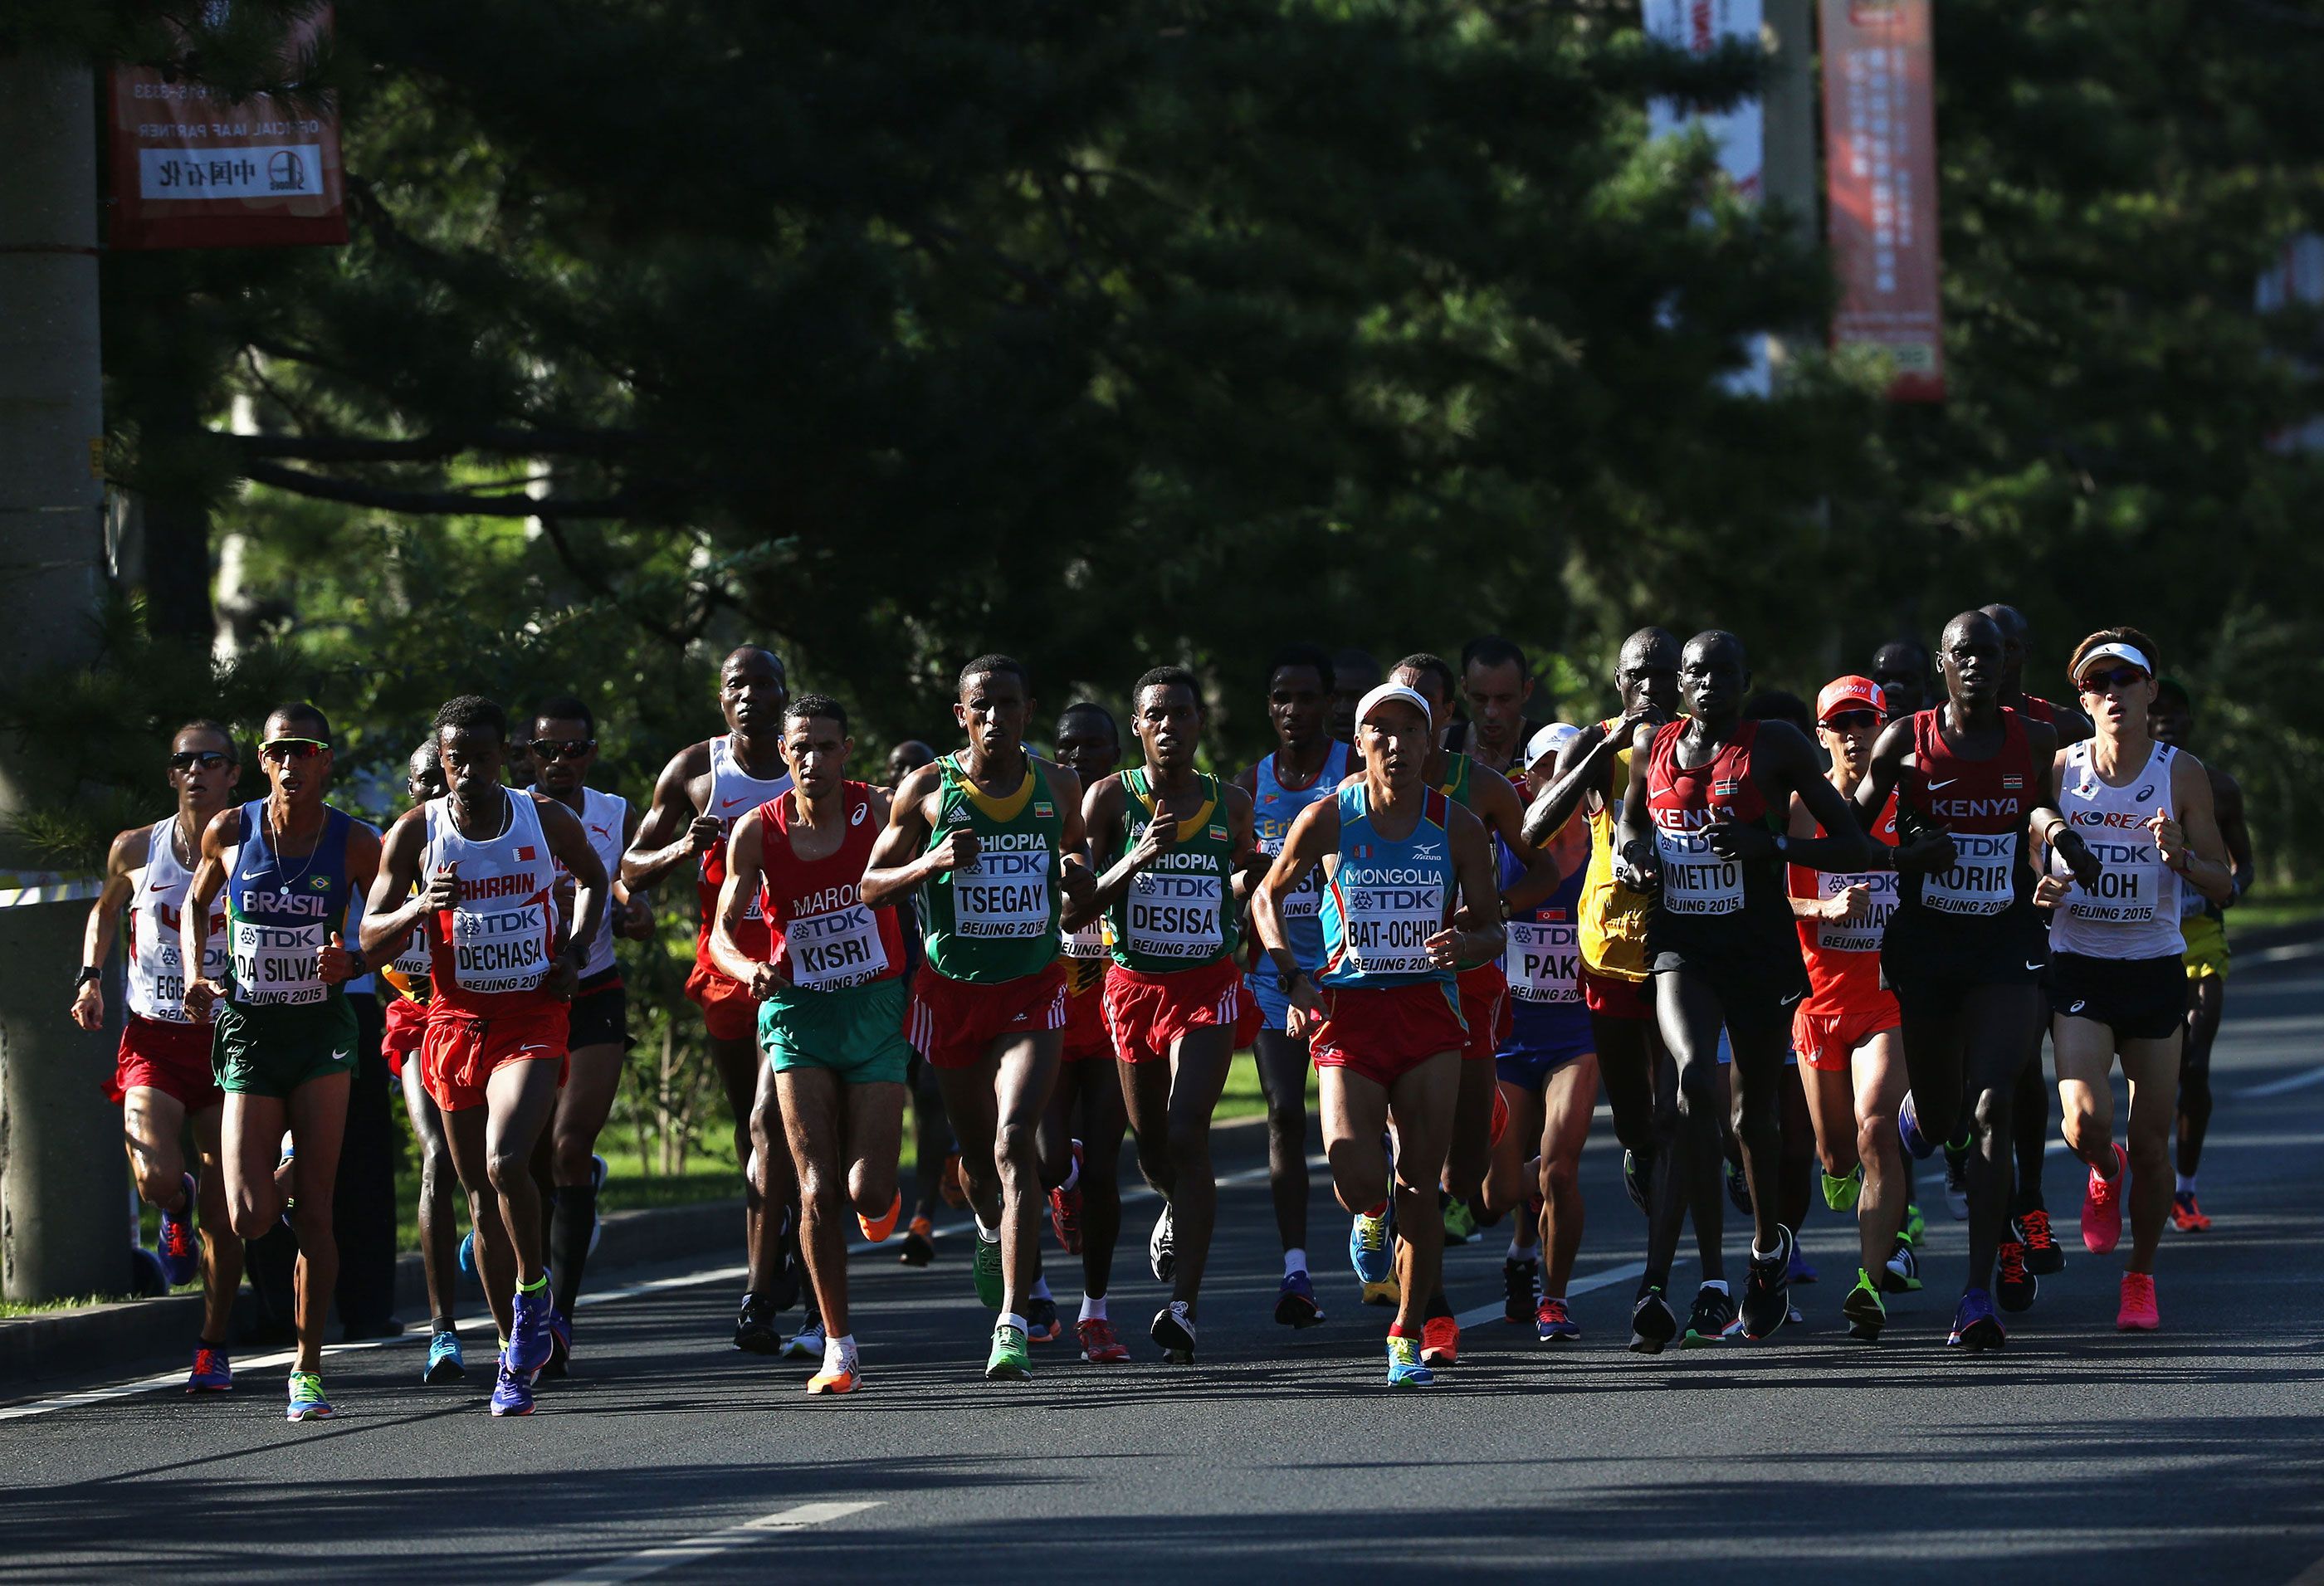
x=1802 y=948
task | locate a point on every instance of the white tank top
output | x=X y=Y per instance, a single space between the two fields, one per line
x=157 y=985
x=602 y=817
x=733 y=794
x=2134 y=913
x=499 y=937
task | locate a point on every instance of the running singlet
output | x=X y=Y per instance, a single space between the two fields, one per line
x=1543 y=959
x=819 y=929
x=2037 y=709
x=1275 y=806
x=734 y=793
x=2135 y=910
x=490 y=952
x=1843 y=956
x=281 y=912
x=1460 y=773
x=1177 y=913
x=1087 y=952
x=1711 y=905
x=995 y=920
x=1982 y=804
x=1613 y=916
x=157 y=980
x=604 y=818
x=1384 y=899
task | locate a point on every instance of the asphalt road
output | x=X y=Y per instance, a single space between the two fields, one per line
x=2077 y=1454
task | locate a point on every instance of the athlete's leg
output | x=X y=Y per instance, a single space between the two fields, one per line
x=519 y=1100
x=466 y=1134
x=317 y=1115
x=221 y=1250
x=1054 y=1141
x=970 y=1107
x=1799 y=1160
x=439 y=1186
x=2151 y=1067
x=1567 y=1102
x=153 y=1124
x=1355 y=1121
x=1146 y=1091
x=776 y=1186
x=1877 y=1071
x=251 y=1140
x=1759 y=1044
x=2029 y=1129
x=742 y=1073
x=1994 y=1020
x=1687 y=1175
x=1507 y=1186
x=2208 y=1001
x=1470 y=1148
x=932 y=1140
x=811 y=1118
x=1025 y=1069
x=1103 y=1119
x=1831 y=1096
x=1421 y=1104
x=1198 y=1065
x=873 y=1144
x=1282 y=1061
x=593 y=1075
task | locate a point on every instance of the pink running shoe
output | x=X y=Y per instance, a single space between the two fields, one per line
x=2102 y=1205
x=2138 y=1314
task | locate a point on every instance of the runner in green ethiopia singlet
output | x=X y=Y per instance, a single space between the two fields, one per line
x=1177 y=912
x=1458 y=768
x=995 y=920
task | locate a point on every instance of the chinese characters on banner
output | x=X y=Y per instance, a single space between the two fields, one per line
x=1880 y=153
x=193 y=169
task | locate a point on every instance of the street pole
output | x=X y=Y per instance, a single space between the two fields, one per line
x=61 y=1175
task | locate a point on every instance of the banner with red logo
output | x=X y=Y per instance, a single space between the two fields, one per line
x=192 y=169
x=1880 y=153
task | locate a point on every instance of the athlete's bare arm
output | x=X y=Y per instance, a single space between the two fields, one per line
x=397 y=904
x=901 y=859
x=1496 y=804
x=1076 y=880
x=2227 y=809
x=1783 y=765
x=677 y=827
x=1479 y=881
x=634 y=917
x=1104 y=812
x=97 y=935
x=1314 y=833
x=1635 y=862
x=570 y=844
x=224 y=832
x=1584 y=768
x=745 y=864
x=2193 y=844
x=333 y=960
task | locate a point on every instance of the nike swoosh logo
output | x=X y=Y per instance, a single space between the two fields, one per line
x=730 y=803
x=2035 y=967
x=1948 y=782
x=341 y=1056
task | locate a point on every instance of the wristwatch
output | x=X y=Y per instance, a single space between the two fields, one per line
x=89 y=975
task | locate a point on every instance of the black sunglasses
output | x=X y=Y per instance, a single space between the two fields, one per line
x=1850 y=721
x=561 y=748
x=2113 y=678
x=208 y=760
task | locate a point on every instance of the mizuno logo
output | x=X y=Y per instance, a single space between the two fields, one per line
x=1948 y=782
x=1427 y=851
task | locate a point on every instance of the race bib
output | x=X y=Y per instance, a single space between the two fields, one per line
x=1305 y=900
x=1004 y=894
x=412 y=961
x=1859 y=936
x=160 y=964
x=1980 y=880
x=1389 y=927
x=503 y=949
x=1089 y=942
x=1543 y=961
x=275 y=966
x=1695 y=880
x=830 y=952
x=1174 y=915
x=2130 y=883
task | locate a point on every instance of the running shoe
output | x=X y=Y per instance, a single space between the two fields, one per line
x=755 y=1328
x=2043 y=1254
x=307 y=1400
x=1738 y=1186
x=1174 y=1330
x=877 y=1231
x=1162 y=1246
x=560 y=1344
x=1651 y=1323
x=919 y=1244
x=2014 y=1286
x=1100 y=1347
x=443 y=1362
x=828 y=1380
x=1908 y=1128
x=1841 y=1194
x=213 y=1372
x=949 y=1185
x=146 y=1278
x=529 y=1346
x=1865 y=1312
x=1521 y=1281
x=1066 y=1209
x=468 y=1254
x=180 y=1251
x=1008 y=1361
x=511 y=1391
x=1767 y=1292
x=1294 y=1301
x=789 y=1269
x=1041 y=1324
x=1975 y=1325
x=2102 y=1205
x=2138 y=1314
x=1800 y=1269
x=1957 y=1183
x=1403 y=1367
x=1552 y=1324
x=1916 y=1227
x=1460 y=1221
x=2187 y=1215
x=1901 y=1273
x=1637 y=1173
x=806 y=1343
x=1440 y=1342
x=991 y=1284
x=1708 y=1321
x=598 y=1173
x=1372 y=1250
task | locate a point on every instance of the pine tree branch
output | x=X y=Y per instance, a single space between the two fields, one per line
x=449 y=502
x=498 y=442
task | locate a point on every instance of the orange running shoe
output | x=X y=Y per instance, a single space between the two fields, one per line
x=948 y=1184
x=2187 y=1215
x=842 y=1380
x=1100 y=1347
x=2138 y=1314
x=1440 y=1342
x=878 y=1232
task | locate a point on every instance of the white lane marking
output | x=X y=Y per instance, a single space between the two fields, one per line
x=2283 y=954
x=1607 y=1278
x=652 y=1560
x=2276 y=1087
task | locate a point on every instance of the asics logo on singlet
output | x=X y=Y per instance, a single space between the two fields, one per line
x=1973 y=809
x=2079 y=1003
x=2146 y=793
x=855 y=816
x=257 y=902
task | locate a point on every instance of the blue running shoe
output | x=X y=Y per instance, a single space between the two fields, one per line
x=560 y=1342
x=307 y=1400
x=468 y=1255
x=1551 y=1324
x=1908 y=1128
x=1371 y=1246
x=1294 y=1301
x=1975 y=1326
x=513 y=1392
x=212 y=1372
x=1403 y=1367
x=529 y=1346
x=1800 y=1272
x=443 y=1362
x=180 y=1252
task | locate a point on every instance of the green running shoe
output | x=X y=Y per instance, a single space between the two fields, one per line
x=1460 y=1222
x=1916 y=1225
x=992 y=1286
x=1008 y=1361
x=307 y=1400
x=1866 y=1310
x=1839 y=1193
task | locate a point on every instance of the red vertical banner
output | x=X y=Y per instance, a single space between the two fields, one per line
x=1880 y=153
x=191 y=169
